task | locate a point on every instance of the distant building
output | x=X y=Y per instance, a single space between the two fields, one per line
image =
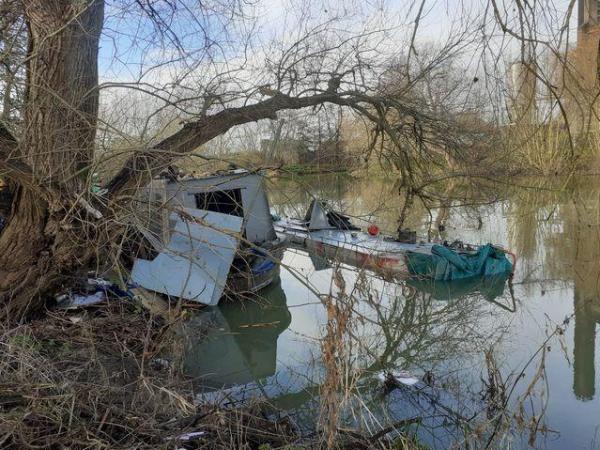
x=588 y=13
x=522 y=101
x=580 y=81
x=585 y=55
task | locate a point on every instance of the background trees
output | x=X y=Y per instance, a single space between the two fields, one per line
x=125 y=88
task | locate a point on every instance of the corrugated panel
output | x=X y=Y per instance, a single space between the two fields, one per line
x=197 y=259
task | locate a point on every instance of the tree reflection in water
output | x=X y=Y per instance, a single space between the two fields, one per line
x=466 y=338
x=232 y=350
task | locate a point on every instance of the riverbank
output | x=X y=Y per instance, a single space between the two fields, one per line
x=98 y=378
x=93 y=379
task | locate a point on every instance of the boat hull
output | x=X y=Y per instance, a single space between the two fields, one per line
x=397 y=259
x=261 y=271
x=356 y=249
x=353 y=256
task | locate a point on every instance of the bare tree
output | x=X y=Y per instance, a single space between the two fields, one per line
x=57 y=226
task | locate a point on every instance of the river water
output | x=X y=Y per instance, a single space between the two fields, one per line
x=471 y=353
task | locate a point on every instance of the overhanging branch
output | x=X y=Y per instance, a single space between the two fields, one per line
x=142 y=166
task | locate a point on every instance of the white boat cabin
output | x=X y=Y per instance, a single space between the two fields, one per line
x=237 y=193
x=195 y=256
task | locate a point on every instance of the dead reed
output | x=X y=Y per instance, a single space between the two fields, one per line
x=93 y=380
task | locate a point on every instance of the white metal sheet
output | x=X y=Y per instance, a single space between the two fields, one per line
x=318 y=217
x=196 y=262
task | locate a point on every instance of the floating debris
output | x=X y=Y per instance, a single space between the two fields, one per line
x=393 y=378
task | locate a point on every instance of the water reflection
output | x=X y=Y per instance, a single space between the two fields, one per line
x=236 y=344
x=581 y=228
x=584 y=349
x=489 y=288
x=270 y=347
x=241 y=351
x=557 y=234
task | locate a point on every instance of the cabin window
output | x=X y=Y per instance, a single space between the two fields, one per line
x=226 y=202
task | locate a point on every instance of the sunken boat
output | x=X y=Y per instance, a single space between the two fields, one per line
x=211 y=236
x=333 y=236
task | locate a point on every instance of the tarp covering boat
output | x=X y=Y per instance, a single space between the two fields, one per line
x=446 y=264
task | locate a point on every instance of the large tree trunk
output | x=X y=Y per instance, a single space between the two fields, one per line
x=40 y=240
x=48 y=236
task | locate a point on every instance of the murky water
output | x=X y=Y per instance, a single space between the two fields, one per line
x=453 y=338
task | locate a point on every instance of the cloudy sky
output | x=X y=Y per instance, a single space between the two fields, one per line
x=189 y=51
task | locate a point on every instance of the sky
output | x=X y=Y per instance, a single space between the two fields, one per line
x=191 y=51
x=131 y=43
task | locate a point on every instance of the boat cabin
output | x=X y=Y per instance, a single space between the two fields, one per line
x=210 y=233
x=236 y=193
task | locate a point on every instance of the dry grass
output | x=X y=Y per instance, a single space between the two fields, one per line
x=548 y=149
x=96 y=379
x=336 y=387
x=90 y=380
x=542 y=149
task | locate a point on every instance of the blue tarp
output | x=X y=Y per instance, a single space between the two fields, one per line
x=445 y=264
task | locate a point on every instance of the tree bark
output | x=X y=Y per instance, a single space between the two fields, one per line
x=41 y=240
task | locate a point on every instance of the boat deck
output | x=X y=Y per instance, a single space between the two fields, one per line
x=349 y=240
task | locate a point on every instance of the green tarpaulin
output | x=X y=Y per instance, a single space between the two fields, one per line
x=445 y=264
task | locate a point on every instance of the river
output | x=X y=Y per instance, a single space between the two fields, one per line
x=480 y=351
